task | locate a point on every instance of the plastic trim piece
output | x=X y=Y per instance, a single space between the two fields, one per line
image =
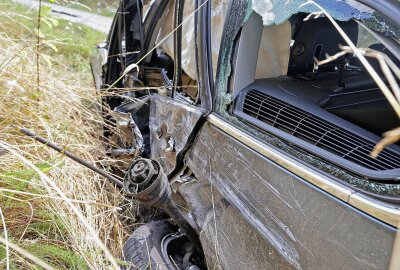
x=246 y=60
x=382 y=211
x=311 y=109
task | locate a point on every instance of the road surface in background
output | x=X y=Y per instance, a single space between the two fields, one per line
x=97 y=22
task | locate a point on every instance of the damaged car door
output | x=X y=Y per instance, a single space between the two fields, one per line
x=153 y=112
x=262 y=201
x=252 y=157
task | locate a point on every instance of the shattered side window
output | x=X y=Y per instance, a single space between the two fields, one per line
x=286 y=86
x=278 y=11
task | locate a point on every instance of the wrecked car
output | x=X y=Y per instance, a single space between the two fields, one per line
x=248 y=128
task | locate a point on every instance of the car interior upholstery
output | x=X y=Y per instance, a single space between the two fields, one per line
x=335 y=111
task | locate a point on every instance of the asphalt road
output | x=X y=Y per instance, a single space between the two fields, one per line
x=97 y=22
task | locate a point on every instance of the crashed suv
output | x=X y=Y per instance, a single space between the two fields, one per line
x=249 y=131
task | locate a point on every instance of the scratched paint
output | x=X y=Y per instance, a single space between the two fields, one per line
x=243 y=222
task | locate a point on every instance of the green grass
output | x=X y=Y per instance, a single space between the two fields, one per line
x=107 y=8
x=44 y=224
x=26 y=175
x=33 y=223
x=58 y=37
x=76 y=44
x=56 y=256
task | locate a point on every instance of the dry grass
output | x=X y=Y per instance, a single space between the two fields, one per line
x=38 y=215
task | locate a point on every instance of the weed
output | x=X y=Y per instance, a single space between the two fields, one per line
x=53 y=208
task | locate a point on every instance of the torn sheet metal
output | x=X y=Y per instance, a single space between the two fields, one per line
x=251 y=212
x=171 y=124
x=131 y=135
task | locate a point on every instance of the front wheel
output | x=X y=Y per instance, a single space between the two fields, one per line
x=159 y=245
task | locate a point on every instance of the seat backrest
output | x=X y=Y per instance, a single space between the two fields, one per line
x=316 y=38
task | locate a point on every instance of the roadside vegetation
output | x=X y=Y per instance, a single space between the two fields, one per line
x=102 y=7
x=54 y=212
x=70 y=43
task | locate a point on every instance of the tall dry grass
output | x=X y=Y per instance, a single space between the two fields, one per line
x=52 y=208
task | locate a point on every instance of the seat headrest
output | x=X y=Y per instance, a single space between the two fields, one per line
x=316 y=38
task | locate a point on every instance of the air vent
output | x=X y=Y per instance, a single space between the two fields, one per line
x=317 y=131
